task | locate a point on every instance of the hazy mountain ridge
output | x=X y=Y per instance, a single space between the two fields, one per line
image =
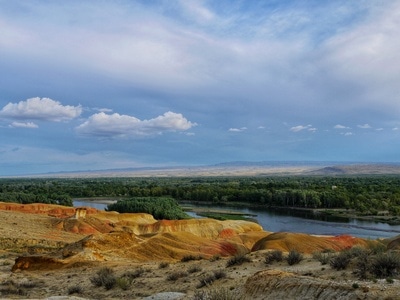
x=240 y=168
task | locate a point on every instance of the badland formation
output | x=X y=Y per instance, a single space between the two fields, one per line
x=57 y=252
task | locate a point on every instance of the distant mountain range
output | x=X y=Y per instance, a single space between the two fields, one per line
x=243 y=168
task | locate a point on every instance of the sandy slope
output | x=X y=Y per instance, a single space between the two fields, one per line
x=117 y=246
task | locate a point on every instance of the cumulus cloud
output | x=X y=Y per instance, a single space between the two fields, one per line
x=338 y=126
x=347 y=133
x=302 y=127
x=23 y=125
x=365 y=126
x=120 y=126
x=43 y=109
x=237 y=129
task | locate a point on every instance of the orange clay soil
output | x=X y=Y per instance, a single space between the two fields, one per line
x=304 y=243
x=87 y=235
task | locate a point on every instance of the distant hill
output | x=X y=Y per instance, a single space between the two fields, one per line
x=240 y=168
x=359 y=169
x=274 y=163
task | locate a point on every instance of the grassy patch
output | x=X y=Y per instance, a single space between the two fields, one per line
x=237 y=260
x=224 y=216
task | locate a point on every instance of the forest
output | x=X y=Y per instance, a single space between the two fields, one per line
x=365 y=194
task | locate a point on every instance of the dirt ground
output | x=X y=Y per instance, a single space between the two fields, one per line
x=20 y=233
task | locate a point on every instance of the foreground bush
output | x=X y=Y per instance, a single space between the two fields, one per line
x=275 y=255
x=190 y=257
x=294 y=257
x=237 y=260
x=104 y=277
x=134 y=274
x=362 y=265
x=76 y=289
x=176 y=275
x=386 y=265
x=209 y=279
x=323 y=257
x=341 y=261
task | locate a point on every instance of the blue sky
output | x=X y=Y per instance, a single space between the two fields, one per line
x=87 y=85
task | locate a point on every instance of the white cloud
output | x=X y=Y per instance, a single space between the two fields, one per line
x=23 y=125
x=347 y=133
x=365 y=126
x=116 y=125
x=301 y=127
x=196 y=10
x=44 y=109
x=312 y=129
x=237 y=129
x=379 y=129
x=105 y=110
x=338 y=126
x=371 y=44
x=395 y=128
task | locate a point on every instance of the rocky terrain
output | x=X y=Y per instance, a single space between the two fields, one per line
x=55 y=251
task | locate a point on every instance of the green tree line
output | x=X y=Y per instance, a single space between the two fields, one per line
x=366 y=194
x=160 y=207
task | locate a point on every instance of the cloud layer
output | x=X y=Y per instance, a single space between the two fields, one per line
x=127 y=69
x=120 y=126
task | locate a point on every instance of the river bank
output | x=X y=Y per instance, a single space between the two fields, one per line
x=381 y=216
x=285 y=219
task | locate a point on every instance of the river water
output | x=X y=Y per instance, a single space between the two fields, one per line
x=297 y=221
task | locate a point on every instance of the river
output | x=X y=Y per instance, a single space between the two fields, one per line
x=297 y=221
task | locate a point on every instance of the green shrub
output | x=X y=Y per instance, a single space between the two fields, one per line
x=104 y=277
x=209 y=279
x=275 y=255
x=386 y=265
x=237 y=260
x=176 y=275
x=194 y=269
x=323 y=257
x=357 y=251
x=362 y=265
x=190 y=257
x=163 y=265
x=341 y=261
x=123 y=283
x=294 y=257
x=376 y=247
x=206 y=281
x=76 y=289
x=219 y=274
x=215 y=257
x=134 y=274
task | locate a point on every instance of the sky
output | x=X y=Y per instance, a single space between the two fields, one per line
x=91 y=85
